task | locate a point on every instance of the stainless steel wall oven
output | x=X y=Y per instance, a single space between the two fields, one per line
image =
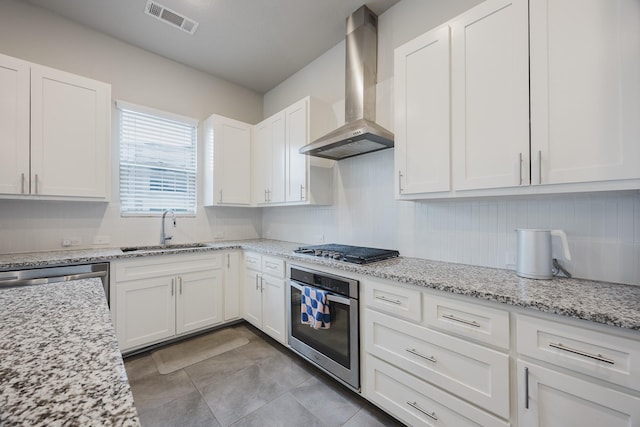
x=336 y=350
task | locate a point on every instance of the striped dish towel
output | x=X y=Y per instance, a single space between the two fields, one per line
x=314 y=308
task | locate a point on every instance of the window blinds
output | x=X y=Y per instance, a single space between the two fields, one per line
x=157 y=161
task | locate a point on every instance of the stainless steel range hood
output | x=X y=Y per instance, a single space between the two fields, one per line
x=360 y=134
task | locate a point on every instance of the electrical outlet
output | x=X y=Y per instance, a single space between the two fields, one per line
x=71 y=241
x=101 y=240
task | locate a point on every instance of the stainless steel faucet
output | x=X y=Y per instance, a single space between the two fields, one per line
x=164 y=237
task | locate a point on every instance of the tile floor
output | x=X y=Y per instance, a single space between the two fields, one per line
x=259 y=384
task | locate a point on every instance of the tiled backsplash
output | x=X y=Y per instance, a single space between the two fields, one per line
x=34 y=225
x=603 y=229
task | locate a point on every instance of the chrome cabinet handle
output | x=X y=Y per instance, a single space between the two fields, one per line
x=400 y=189
x=271 y=266
x=301 y=192
x=36 y=184
x=266 y=198
x=261 y=284
x=415 y=352
x=520 y=168
x=597 y=357
x=459 y=320
x=228 y=260
x=22 y=183
x=393 y=301
x=256 y=282
x=173 y=282
x=526 y=388
x=221 y=196
x=180 y=281
x=539 y=167
x=431 y=415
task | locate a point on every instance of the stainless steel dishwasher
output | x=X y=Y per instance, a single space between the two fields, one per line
x=45 y=275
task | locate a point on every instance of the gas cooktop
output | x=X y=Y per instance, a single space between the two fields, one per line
x=353 y=254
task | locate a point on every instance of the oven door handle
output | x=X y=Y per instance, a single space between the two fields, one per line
x=330 y=297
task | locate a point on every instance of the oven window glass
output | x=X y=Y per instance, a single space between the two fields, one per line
x=332 y=342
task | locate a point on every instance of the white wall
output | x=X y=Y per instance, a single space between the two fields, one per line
x=136 y=76
x=603 y=229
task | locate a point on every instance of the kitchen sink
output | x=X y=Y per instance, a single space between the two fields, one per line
x=163 y=248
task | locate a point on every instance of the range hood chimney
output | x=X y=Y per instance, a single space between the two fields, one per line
x=360 y=134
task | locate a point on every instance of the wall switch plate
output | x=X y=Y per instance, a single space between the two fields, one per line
x=102 y=240
x=217 y=235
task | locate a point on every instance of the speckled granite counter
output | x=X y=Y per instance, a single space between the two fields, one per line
x=59 y=359
x=601 y=302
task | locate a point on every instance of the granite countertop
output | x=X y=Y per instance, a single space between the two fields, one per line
x=59 y=359
x=601 y=302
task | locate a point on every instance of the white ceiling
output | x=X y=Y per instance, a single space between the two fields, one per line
x=253 y=43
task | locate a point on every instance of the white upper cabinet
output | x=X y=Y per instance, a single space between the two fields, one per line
x=490 y=96
x=297 y=136
x=585 y=90
x=14 y=125
x=422 y=102
x=543 y=99
x=269 y=160
x=283 y=176
x=55 y=129
x=228 y=169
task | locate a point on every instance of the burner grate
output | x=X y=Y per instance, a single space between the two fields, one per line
x=347 y=253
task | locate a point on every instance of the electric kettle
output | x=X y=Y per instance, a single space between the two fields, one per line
x=535 y=260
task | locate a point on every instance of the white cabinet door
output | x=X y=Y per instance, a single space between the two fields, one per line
x=70 y=128
x=273 y=308
x=228 y=144
x=297 y=164
x=585 y=86
x=252 y=298
x=422 y=117
x=490 y=96
x=269 y=160
x=199 y=300
x=548 y=398
x=232 y=285
x=145 y=311
x=234 y=157
x=14 y=125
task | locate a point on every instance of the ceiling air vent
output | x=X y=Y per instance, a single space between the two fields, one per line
x=170 y=17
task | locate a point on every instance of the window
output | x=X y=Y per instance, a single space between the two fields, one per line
x=157 y=161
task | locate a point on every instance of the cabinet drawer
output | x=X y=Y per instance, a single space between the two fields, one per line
x=394 y=299
x=274 y=267
x=164 y=265
x=485 y=324
x=418 y=403
x=253 y=261
x=601 y=355
x=471 y=371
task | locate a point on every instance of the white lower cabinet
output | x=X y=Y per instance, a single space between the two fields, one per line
x=417 y=402
x=264 y=294
x=232 y=282
x=574 y=376
x=550 y=398
x=473 y=372
x=159 y=297
x=425 y=376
